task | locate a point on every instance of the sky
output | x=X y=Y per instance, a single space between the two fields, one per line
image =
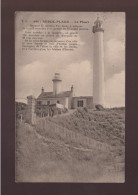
x=34 y=69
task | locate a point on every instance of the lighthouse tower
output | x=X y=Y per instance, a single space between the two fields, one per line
x=56 y=84
x=98 y=63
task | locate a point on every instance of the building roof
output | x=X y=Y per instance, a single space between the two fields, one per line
x=51 y=95
x=77 y=97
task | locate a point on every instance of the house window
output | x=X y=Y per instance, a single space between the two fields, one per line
x=58 y=101
x=80 y=103
x=48 y=102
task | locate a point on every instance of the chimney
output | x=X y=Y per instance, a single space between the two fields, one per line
x=42 y=90
x=72 y=89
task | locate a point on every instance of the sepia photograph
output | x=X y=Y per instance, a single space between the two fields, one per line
x=70 y=97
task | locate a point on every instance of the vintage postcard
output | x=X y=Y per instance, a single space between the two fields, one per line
x=70 y=97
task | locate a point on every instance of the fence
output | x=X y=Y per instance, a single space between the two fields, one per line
x=53 y=130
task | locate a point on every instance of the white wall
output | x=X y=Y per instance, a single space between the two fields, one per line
x=63 y=101
x=56 y=87
x=98 y=69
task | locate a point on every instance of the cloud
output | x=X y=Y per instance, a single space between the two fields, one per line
x=115 y=45
x=80 y=75
x=114 y=57
x=35 y=69
x=31 y=77
x=115 y=90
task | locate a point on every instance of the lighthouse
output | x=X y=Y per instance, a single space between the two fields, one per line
x=98 y=63
x=56 y=84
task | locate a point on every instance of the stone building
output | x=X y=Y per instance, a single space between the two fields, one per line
x=65 y=98
x=82 y=101
x=30 y=115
